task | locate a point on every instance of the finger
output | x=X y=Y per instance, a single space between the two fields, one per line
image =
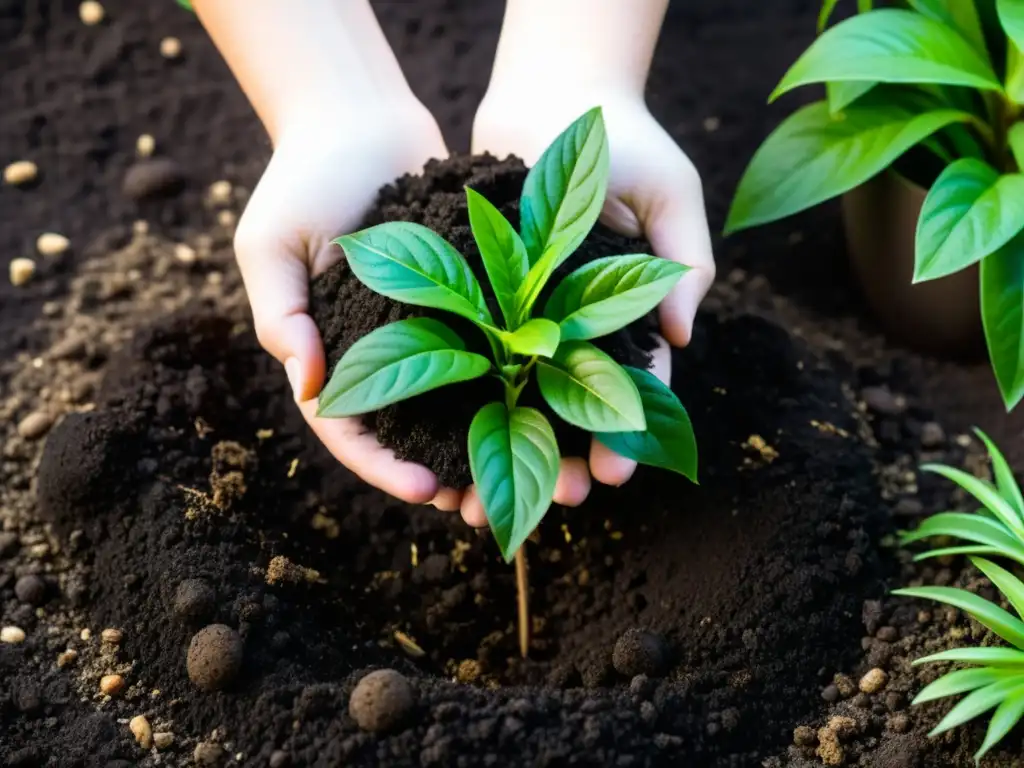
x=573 y=484
x=607 y=466
x=447 y=500
x=473 y=509
x=357 y=448
x=679 y=231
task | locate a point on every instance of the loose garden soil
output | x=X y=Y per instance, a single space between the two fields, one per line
x=157 y=479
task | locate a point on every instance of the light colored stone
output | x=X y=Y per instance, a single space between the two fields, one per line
x=111 y=685
x=170 y=47
x=35 y=425
x=85 y=635
x=145 y=145
x=21 y=270
x=226 y=218
x=90 y=12
x=141 y=730
x=52 y=244
x=220 y=192
x=873 y=681
x=12 y=635
x=163 y=739
x=67 y=658
x=112 y=636
x=20 y=172
x=185 y=254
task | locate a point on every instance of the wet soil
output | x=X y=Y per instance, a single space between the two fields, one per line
x=165 y=482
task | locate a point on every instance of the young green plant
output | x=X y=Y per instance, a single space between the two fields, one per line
x=994 y=678
x=945 y=75
x=513 y=454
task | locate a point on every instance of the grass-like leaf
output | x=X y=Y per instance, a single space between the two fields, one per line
x=1007 y=715
x=959 y=681
x=983 y=492
x=983 y=530
x=1006 y=483
x=1005 y=582
x=978 y=702
x=989 y=657
x=987 y=613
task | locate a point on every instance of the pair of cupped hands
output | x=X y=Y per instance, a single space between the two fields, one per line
x=325 y=175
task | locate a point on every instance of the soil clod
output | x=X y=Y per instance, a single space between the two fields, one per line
x=194 y=600
x=214 y=657
x=152 y=178
x=639 y=652
x=381 y=701
x=30 y=590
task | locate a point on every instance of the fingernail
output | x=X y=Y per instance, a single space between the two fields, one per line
x=293 y=370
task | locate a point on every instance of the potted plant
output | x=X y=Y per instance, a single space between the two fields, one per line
x=926 y=96
x=513 y=452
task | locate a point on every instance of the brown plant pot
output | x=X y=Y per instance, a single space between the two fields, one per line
x=940 y=317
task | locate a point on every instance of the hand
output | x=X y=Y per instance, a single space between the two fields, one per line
x=324 y=175
x=654 y=191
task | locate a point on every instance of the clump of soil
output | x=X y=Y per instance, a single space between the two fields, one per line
x=432 y=429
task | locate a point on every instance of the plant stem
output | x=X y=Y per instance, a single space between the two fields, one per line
x=523 y=600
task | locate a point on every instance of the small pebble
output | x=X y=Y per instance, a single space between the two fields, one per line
x=804 y=736
x=150 y=178
x=226 y=218
x=278 y=759
x=899 y=723
x=30 y=590
x=52 y=244
x=141 y=730
x=185 y=254
x=35 y=425
x=170 y=47
x=194 y=600
x=845 y=685
x=712 y=124
x=873 y=680
x=882 y=401
x=163 y=739
x=214 y=657
x=112 y=636
x=90 y=12
x=145 y=145
x=85 y=635
x=639 y=652
x=21 y=270
x=381 y=700
x=932 y=435
x=908 y=507
x=12 y=635
x=111 y=685
x=67 y=657
x=830 y=693
x=208 y=753
x=20 y=172
x=888 y=634
x=220 y=192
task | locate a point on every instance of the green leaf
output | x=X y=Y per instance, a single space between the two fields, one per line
x=1006 y=716
x=989 y=657
x=668 y=442
x=610 y=293
x=1004 y=624
x=983 y=492
x=960 y=681
x=828 y=7
x=977 y=703
x=1006 y=483
x=842 y=94
x=590 y=390
x=966 y=549
x=1015 y=138
x=537 y=337
x=409 y=263
x=514 y=460
x=1006 y=582
x=890 y=45
x=970 y=528
x=814 y=156
x=1002 y=314
x=970 y=211
x=1011 y=16
x=564 y=192
x=502 y=251
x=958 y=15
x=396 y=362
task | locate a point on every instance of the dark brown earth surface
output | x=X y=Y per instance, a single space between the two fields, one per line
x=155 y=478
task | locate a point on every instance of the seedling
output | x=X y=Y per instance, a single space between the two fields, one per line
x=995 y=678
x=513 y=455
x=948 y=76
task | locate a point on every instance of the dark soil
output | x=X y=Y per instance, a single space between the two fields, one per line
x=432 y=429
x=177 y=487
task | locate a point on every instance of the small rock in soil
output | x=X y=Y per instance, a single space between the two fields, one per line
x=641 y=686
x=932 y=435
x=163 y=739
x=207 y=753
x=90 y=12
x=35 y=425
x=145 y=145
x=278 y=759
x=194 y=600
x=112 y=636
x=152 y=178
x=435 y=567
x=804 y=736
x=170 y=47
x=52 y=244
x=881 y=401
x=20 y=172
x=21 y=271
x=12 y=635
x=887 y=634
x=67 y=657
x=845 y=685
x=639 y=652
x=111 y=685
x=214 y=657
x=30 y=589
x=381 y=700
x=873 y=681
x=908 y=507
x=141 y=730
x=8 y=543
